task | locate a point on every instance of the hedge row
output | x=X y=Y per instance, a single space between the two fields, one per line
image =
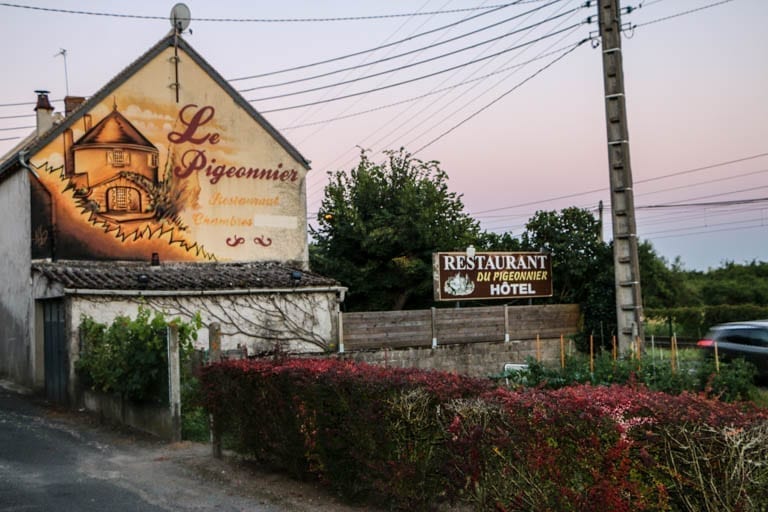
x=694 y=321
x=419 y=440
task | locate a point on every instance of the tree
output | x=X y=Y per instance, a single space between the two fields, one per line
x=582 y=266
x=735 y=283
x=663 y=285
x=572 y=239
x=502 y=242
x=378 y=226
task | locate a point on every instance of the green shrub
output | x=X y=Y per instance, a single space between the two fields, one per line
x=129 y=357
x=694 y=321
x=694 y=373
x=194 y=418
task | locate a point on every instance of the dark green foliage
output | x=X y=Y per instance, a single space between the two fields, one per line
x=194 y=418
x=734 y=284
x=693 y=322
x=129 y=357
x=572 y=239
x=582 y=267
x=378 y=226
x=734 y=382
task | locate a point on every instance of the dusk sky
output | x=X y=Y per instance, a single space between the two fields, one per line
x=501 y=93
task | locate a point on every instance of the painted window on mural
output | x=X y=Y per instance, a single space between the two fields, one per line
x=152 y=159
x=118 y=157
x=123 y=199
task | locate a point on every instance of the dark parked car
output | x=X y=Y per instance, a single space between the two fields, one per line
x=741 y=339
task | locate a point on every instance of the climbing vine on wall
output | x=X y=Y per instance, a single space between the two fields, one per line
x=129 y=357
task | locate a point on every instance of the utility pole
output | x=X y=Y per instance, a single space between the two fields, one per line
x=629 y=301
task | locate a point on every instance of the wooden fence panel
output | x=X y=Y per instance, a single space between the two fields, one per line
x=401 y=329
x=387 y=329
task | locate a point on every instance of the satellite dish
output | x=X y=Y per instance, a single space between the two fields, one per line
x=180 y=17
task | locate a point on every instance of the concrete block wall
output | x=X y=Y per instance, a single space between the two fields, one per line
x=473 y=359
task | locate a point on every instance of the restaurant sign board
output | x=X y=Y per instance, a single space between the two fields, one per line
x=491 y=275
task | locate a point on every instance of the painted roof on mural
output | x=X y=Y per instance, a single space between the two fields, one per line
x=31 y=145
x=114 y=129
x=137 y=276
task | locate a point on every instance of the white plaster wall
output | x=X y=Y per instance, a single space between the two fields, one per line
x=16 y=304
x=298 y=322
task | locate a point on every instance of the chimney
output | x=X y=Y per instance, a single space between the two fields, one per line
x=44 y=112
x=71 y=103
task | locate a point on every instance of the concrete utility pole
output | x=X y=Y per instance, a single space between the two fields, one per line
x=629 y=301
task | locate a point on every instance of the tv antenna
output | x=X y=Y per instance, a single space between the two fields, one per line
x=180 y=17
x=63 y=53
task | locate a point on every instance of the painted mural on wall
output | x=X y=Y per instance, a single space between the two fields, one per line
x=140 y=173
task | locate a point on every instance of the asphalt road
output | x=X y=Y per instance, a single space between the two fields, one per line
x=54 y=460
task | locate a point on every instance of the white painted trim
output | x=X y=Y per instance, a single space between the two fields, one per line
x=191 y=293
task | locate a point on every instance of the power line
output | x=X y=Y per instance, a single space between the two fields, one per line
x=16 y=128
x=259 y=20
x=706 y=204
x=477 y=97
x=418 y=50
x=23 y=103
x=671 y=175
x=689 y=185
x=682 y=217
x=683 y=13
x=487 y=106
x=306 y=114
x=396 y=84
x=686 y=230
x=370 y=50
x=413 y=64
x=416 y=119
x=430 y=93
x=704 y=168
x=18 y=116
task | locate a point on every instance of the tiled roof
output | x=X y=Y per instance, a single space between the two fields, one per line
x=103 y=275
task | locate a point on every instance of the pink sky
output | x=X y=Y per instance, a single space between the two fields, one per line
x=696 y=84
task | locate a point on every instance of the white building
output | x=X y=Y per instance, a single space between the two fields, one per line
x=164 y=188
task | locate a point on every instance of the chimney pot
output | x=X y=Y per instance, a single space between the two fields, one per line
x=71 y=103
x=44 y=112
x=42 y=101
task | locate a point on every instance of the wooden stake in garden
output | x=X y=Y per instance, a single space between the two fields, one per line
x=615 y=350
x=591 y=353
x=673 y=352
x=717 y=358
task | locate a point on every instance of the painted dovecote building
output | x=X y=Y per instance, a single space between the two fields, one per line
x=165 y=188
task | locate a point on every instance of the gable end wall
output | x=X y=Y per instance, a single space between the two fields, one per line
x=16 y=305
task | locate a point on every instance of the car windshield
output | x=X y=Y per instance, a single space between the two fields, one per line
x=743 y=335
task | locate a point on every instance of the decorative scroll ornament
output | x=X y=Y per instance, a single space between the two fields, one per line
x=235 y=241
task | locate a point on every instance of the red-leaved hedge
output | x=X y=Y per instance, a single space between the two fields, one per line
x=417 y=439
